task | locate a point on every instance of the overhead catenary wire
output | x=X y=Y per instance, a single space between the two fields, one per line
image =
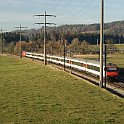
x=20 y=28
x=44 y=23
x=82 y=13
x=75 y=13
x=63 y=6
x=56 y=6
x=78 y=12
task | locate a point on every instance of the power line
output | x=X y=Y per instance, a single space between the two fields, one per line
x=81 y=11
x=45 y=23
x=2 y=40
x=57 y=4
x=65 y=7
x=20 y=27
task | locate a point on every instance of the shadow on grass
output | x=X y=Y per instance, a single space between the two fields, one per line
x=95 y=82
x=114 y=92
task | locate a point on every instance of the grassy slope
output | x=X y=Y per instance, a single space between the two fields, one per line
x=32 y=93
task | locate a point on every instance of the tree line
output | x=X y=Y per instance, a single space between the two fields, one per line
x=78 y=37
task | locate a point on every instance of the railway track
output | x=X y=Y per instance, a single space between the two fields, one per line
x=118 y=82
x=116 y=88
x=118 y=85
x=82 y=68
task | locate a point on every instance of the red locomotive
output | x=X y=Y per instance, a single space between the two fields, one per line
x=111 y=70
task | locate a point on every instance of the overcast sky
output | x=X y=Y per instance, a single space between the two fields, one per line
x=16 y=12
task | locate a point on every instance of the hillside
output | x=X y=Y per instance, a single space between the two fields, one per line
x=87 y=32
x=113 y=28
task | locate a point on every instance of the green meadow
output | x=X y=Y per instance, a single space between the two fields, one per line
x=31 y=93
x=120 y=46
x=117 y=59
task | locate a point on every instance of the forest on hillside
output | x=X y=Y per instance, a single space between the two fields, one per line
x=89 y=33
x=74 y=35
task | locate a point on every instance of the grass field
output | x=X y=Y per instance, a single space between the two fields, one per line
x=117 y=59
x=120 y=46
x=31 y=93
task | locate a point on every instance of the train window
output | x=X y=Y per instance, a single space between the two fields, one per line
x=112 y=69
x=77 y=63
x=93 y=67
x=97 y=69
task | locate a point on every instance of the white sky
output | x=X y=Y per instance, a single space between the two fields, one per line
x=16 y=12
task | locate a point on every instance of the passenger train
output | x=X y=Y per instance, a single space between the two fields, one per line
x=82 y=65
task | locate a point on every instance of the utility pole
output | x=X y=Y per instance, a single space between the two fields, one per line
x=101 y=43
x=64 y=54
x=20 y=27
x=105 y=63
x=2 y=40
x=45 y=23
x=64 y=46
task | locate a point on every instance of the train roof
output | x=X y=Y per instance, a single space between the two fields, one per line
x=95 y=62
x=80 y=60
x=111 y=64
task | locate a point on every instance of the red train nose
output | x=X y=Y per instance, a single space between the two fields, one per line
x=112 y=74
